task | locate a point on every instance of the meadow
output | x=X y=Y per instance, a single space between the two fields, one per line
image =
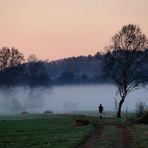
x=60 y=131
x=41 y=131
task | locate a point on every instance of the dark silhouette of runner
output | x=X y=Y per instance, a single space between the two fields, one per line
x=100 y=108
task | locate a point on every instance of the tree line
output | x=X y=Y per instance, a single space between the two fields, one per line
x=74 y=70
x=15 y=70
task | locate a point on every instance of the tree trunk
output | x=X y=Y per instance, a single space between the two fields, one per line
x=119 y=108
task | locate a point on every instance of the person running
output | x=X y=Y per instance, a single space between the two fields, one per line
x=100 y=109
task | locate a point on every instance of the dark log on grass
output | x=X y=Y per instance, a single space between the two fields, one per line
x=81 y=122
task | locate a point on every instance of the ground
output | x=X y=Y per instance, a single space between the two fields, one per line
x=109 y=133
x=61 y=131
x=41 y=131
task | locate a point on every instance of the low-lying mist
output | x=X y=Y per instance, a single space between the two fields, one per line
x=19 y=99
x=68 y=98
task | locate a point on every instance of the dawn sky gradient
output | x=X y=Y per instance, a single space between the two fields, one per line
x=54 y=29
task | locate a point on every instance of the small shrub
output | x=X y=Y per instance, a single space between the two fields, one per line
x=48 y=112
x=144 y=118
x=24 y=112
x=140 y=108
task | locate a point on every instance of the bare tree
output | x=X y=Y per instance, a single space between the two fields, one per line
x=130 y=37
x=16 y=57
x=122 y=63
x=10 y=57
x=4 y=57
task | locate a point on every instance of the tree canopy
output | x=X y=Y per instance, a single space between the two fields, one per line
x=130 y=37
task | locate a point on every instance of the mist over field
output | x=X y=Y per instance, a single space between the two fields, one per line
x=18 y=99
x=65 y=98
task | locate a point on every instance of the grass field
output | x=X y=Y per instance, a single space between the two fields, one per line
x=59 y=131
x=41 y=131
x=140 y=135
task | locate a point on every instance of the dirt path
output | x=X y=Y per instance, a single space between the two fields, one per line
x=93 y=137
x=108 y=133
x=126 y=137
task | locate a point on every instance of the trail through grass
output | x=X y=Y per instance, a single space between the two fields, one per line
x=112 y=133
x=59 y=131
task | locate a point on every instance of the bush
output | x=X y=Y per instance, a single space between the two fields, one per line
x=48 y=112
x=140 y=108
x=144 y=118
x=24 y=112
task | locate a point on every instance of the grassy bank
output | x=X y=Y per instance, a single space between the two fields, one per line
x=140 y=135
x=41 y=131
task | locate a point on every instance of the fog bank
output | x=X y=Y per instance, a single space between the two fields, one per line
x=66 y=98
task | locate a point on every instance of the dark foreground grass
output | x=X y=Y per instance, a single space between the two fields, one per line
x=55 y=131
x=140 y=135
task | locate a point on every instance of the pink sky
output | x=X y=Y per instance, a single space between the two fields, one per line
x=54 y=29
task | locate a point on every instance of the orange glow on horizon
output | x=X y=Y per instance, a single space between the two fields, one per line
x=54 y=29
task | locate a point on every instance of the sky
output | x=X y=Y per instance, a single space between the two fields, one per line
x=55 y=29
